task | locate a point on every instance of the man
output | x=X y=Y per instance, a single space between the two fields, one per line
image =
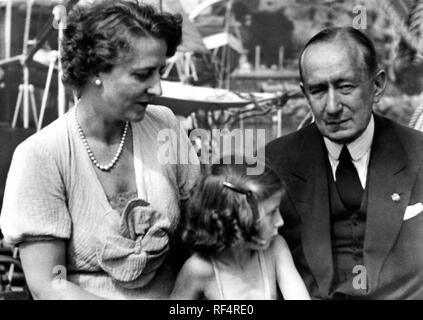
x=354 y=179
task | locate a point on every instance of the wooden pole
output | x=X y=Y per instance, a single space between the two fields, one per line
x=61 y=92
x=257 y=58
x=281 y=56
x=25 y=70
x=8 y=29
x=279 y=124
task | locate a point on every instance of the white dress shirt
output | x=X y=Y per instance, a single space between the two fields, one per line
x=359 y=150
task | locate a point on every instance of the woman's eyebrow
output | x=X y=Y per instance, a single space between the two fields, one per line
x=148 y=68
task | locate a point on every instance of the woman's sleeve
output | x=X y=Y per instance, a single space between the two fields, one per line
x=34 y=204
x=190 y=171
x=188 y=164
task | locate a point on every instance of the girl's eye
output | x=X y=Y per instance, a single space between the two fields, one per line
x=142 y=76
x=272 y=213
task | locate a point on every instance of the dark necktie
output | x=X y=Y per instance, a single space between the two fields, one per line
x=348 y=182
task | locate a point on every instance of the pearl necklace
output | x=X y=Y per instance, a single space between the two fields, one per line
x=115 y=159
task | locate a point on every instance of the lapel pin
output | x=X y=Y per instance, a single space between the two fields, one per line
x=395 y=197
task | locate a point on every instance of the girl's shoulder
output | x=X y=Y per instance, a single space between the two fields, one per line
x=276 y=251
x=199 y=267
x=278 y=246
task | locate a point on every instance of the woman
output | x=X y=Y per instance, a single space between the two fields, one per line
x=93 y=210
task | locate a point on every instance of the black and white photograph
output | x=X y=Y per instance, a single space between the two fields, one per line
x=192 y=150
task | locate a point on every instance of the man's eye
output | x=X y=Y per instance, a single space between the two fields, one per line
x=346 y=89
x=316 y=91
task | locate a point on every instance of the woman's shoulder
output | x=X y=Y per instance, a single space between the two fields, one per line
x=156 y=118
x=48 y=140
x=158 y=113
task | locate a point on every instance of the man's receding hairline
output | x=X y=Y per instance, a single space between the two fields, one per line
x=339 y=39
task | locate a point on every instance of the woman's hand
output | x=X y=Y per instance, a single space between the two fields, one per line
x=44 y=266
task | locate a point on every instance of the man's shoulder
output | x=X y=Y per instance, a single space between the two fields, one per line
x=291 y=138
x=411 y=139
x=286 y=147
x=413 y=134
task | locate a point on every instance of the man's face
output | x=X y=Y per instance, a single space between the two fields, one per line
x=339 y=89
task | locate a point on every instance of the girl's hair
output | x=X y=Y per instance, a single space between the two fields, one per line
x=219 y=216
x=98 y=35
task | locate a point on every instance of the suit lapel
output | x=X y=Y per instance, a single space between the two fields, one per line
x=388 y=175
x=312 y=202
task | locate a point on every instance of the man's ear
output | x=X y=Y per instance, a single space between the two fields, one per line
x=379 y=85
x=303 y=90
x=301 y=84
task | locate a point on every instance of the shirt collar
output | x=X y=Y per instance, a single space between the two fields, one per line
x=358 y=147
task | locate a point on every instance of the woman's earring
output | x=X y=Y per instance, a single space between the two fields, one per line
x=97 y=82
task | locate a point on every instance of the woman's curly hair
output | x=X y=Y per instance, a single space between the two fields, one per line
x=217 y=217
x=97 y=36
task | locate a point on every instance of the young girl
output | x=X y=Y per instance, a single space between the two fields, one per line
x=232 y=228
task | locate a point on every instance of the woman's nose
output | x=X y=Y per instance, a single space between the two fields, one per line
x=156 y=87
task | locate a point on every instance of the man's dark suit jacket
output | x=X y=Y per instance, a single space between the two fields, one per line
x=393 y=247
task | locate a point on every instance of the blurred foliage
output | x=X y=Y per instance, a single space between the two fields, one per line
x=263 y=28
x=292 y=23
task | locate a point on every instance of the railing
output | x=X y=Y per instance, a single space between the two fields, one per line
x=12 y=279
